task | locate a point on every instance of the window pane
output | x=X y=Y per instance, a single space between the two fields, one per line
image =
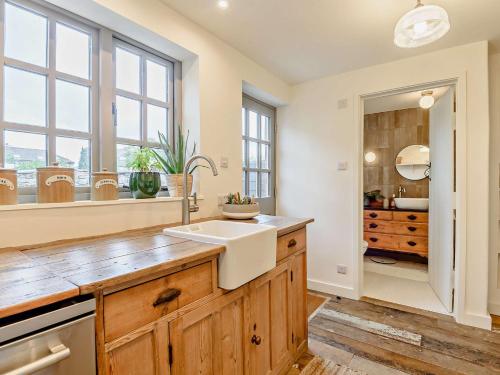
x=128 y=118
x=74 y=153
x=243 y=122
x=72 y=106
x=243 y=153
x=124 y=154
x=264 y=156
x=25 y=97
x=25 y=152
x=252 y=184
x=264 y=185
x=264 y=128
x=72 y=51
x=156 y=81
x=128 y=71
x=252 y=154
x=252 y=122
x=25 y=35
x=157 y=121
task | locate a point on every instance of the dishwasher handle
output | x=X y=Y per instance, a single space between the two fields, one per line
x=58 y=353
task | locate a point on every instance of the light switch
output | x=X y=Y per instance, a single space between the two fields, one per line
x=224 y=162
x=342 y=165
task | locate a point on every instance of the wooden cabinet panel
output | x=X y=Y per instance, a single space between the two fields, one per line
x=415 y=217
x=378 y=214
x=413 y=244
x=270 y=324
x=137 y=306
x=299 y=301
x=291 y=243
x=142 y=353
x=381 y=241
x=211 y=339
x=394 y=227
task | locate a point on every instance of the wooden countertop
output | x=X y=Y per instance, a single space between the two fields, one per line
x=35 y=276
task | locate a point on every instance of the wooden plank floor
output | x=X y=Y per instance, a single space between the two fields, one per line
x=446 y=347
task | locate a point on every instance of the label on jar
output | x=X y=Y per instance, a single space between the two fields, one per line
x=106 y=181
x=7 y=182
x=59 y=178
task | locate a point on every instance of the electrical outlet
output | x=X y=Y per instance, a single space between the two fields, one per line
x=224 y=162
x=342 y=165
x=342 y=269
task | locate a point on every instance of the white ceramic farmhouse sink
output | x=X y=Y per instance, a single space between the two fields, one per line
x=250 y=248
x=421 y=204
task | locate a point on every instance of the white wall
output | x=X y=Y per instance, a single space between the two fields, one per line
x=494 y=296
x=314 y=135
x=214 y=74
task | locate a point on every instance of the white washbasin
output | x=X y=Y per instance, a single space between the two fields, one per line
x=412 y=203
x=250 y=248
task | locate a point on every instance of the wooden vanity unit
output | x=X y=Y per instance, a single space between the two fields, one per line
x=394 y=230
x=160 y=311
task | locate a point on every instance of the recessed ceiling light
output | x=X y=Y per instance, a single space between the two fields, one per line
x=427 y=100
x=370 y=157
x=223 y=4
x=420 y=26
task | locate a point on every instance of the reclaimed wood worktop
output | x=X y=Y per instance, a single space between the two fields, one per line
x=35 y=276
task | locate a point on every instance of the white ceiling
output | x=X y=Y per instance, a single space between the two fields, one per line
x=399 y=101
x=299 y=40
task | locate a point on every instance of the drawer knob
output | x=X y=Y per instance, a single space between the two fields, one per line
x=373 y=215
x=412 y=229
x=412 y=243
x=292 y=243
x=412 y=217
x=373 y=225
x=373 y=239
x=167 y=296
x=256 y=340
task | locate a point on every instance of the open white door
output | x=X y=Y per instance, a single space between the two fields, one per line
x=441 y=198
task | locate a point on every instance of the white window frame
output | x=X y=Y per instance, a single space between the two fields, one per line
x=50 y=130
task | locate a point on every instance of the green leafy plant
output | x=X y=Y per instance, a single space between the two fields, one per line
x=143 y=160
x=238 y=199
x=174 y=158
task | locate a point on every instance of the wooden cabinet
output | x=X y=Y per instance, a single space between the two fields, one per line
x=403 y=231
x=213 y=338
x=299 y=301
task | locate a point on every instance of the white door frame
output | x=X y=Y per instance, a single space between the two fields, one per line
x=459 y=81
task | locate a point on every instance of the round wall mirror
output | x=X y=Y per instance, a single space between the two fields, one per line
x=412 y=162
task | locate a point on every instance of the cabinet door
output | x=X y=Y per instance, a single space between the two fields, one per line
x=142 y=352
x=210 y=339
x=299 y=301
x=270 y=325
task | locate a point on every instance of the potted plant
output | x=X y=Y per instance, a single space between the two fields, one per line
x=240 y=207
x=172 y=160
x=144 y=181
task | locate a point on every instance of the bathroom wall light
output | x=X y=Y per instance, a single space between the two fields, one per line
x=223 y=4
x=420 y=26
x=427 y=100
x=370 y=157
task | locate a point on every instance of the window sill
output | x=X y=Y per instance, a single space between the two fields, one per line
x=88 y=203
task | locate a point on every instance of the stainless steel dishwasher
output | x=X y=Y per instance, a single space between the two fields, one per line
x=55 y=339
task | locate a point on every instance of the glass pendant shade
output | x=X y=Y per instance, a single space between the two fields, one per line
x=420 y=26
x=426 y=101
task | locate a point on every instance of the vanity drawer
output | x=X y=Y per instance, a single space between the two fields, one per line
x=394 y=227
x=381 y=241
x=290 y=243
x=379 y=226
x=415 y=217
x=134 y=307
x=379 y=215
x=414 y=244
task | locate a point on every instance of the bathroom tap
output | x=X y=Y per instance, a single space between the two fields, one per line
x=187 y=208
x=401 y=190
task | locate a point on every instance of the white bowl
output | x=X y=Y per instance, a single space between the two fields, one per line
x=240 y=211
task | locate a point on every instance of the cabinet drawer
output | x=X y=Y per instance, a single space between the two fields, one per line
x=381 y=241
x=414 y=217
x=394 y=227
x=413 y=244
x=379 y=226
x=379 y=215
x=134 y=307
x=290 y=243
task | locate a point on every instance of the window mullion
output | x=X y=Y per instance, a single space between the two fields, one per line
x=144 y=105
x=51 y=93
x=2 y=54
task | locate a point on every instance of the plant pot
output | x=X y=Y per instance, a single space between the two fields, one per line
x=240 y=211
x=175 y=185
x=144 y=184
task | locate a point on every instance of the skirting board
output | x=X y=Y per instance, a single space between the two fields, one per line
x=331 y=288
x=475 y=320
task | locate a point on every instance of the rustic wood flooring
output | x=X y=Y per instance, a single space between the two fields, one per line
x=446 y=347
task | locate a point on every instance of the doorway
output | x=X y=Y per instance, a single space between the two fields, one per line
x=409 y=184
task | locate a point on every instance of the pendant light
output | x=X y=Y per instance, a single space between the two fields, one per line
x=427 y=100
x=420 y=26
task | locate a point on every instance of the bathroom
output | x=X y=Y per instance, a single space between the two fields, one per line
x=408 y=184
